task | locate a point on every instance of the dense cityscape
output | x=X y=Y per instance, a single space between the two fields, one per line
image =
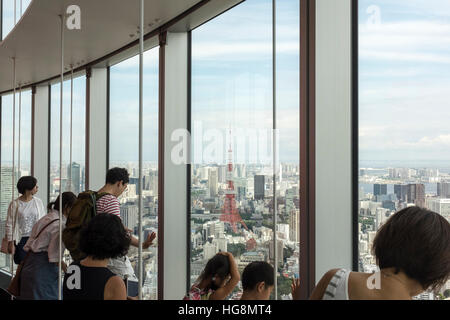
x=253 y=198
x=383 y=191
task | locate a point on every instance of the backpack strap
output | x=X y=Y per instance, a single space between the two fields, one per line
x=95 y=196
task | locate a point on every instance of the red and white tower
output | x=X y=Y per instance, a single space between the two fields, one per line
x=230 y=213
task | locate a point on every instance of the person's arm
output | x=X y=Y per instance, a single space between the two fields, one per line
x=321 y=287
x=40 y=207
x=115 y=289
x=9 y=226
x=147 y=243
x=222 y=293
x=295 y=289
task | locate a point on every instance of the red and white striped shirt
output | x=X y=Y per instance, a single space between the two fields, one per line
x=108 y=204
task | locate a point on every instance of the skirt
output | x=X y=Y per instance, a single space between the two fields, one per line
x=39 y=278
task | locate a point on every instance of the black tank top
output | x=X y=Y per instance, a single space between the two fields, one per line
x=85 y=283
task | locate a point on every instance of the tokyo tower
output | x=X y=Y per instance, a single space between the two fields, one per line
x=229 y=211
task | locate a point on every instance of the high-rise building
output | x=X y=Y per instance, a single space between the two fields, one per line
x=6 y=192
x=83 y=178
x=283 y=228
x=294 y=225
x=209 y=250
x=441 y=206
x=222 y=174
x=416 y=194
x=212 y=183
x=75 y=170
x=221 y=244
x=129 y=214
x=248 y=257
x=443 y=190
x=146 y=182
x=290 y=195
x=280 y=247
x=379 y=189
x=135 y=181
x=401 y=191
x=259 y=187
x=241 y=193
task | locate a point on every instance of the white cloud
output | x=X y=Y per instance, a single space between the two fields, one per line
x=406 y=41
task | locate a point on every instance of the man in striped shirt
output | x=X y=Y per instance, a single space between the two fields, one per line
x=116 y=183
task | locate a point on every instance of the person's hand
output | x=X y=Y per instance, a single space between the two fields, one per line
x=149 y=240
x=295 y=289
x=132 y=298
x=11 y=247
x=64 y=266
x=128 y=230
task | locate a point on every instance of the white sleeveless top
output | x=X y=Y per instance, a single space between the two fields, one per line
x=338 y=287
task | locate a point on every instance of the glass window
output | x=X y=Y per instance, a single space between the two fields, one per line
x=124 y=153
x=288 y=122
x=404 y=63
x=75 y=171
x=25 y=134
x=232 y=190
x=6 y=154
x=9 y=8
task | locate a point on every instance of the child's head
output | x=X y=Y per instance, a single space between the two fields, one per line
x=415 y=241
x=217 y=270
x=258 y=279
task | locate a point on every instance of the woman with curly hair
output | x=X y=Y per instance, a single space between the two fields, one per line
x=102 y=239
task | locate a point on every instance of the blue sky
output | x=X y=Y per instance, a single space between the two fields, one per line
x=404 y=83
x=232 y=72
x=232 y=81
x=232 y=84
x=7 y=129
x=78 y=121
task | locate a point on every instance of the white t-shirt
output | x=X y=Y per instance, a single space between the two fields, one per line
x=27 y=216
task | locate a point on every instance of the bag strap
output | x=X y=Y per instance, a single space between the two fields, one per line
x=46 y=227
x=15 y=216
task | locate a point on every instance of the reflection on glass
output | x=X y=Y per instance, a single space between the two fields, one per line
x=77 y=167
x=6 y=187
x=124 y=153
x=403 y=132
x=232 y=121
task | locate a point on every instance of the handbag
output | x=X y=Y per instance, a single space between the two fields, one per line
x=5 y=242
x=14 y=286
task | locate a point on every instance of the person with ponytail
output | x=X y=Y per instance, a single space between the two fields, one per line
x=217 y=280
x=40 y=269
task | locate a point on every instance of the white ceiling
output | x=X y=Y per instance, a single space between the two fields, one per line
x=106 y=25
